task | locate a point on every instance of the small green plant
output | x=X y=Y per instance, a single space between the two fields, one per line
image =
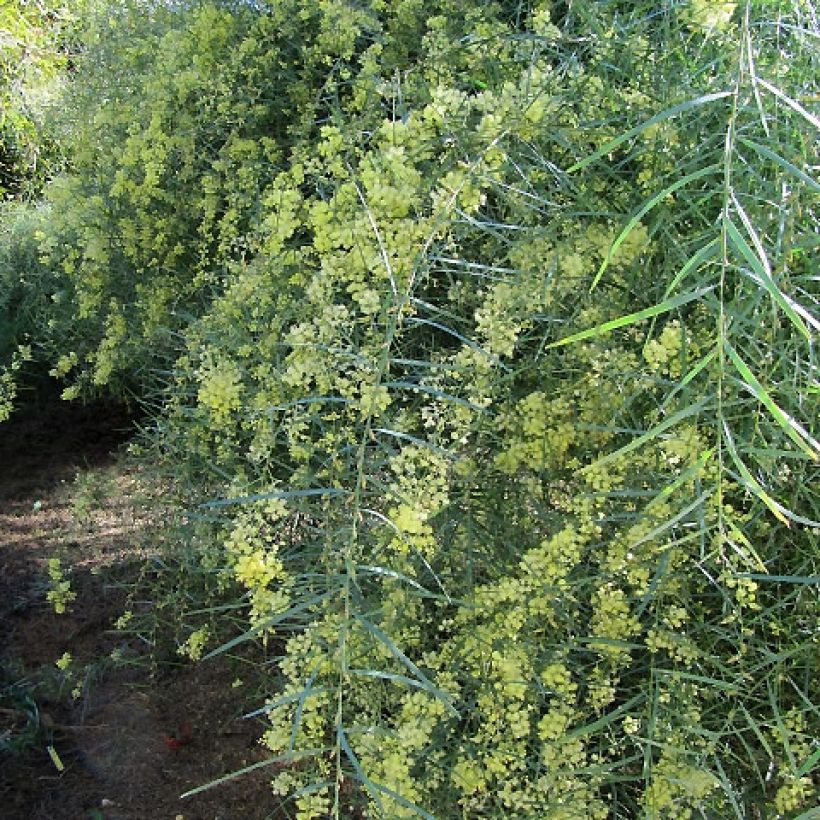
x=60 y=595
x=89 y=493
x=20 y=724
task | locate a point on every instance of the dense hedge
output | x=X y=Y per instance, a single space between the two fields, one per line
x=484 y=333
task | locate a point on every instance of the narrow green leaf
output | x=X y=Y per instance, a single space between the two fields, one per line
x=729 y=789
x=671 y=522
x=662 y=427
x=388 y=676
x=606 y=719
x=425 y=682
x=793 y=429
x=785 y=734
x=415 y=387
x=677 y=673
x=760 y=269
x=692 y=374
x=341 y=739
x=210 y=610
x=793 y=104
x=752 y=233
x=418 y=320
x=399 y=576
x=657 y=576
x=750 y=482
x=377 y=788
x=417 y=441
x=271 y=761
x=645 y=209
x=809 y=580
x=247 y=499
x=632 y=132
x=444 y=594
x=267 y=623
x=632 y=318
x=312 y=788
x=300 y=707
x=294 y=696
x=309 y=401
x=809 y=763
x=783 y=163
x=743 y=547
x=756 y=729
x=709 y=250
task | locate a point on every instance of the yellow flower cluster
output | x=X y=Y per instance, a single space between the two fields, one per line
x=674 y=643
x=8 y=383
x=220 y=390
x=676 y=788
x=252 y=548
x=745 y=590
x=795 y=793
x=195 y=643
x=539 y=434
x=109 y=350
x=8 y=393
x=408 y=289
x=663 y=355
x=419 y=491
x=257 y=569
x=552 y=561
x=612 y=623
x=65 y=364
x=710 y=15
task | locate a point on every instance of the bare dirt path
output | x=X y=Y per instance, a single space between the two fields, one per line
x=110 y=727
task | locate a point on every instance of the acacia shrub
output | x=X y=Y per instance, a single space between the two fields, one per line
x=483 y=334
x=505 y=424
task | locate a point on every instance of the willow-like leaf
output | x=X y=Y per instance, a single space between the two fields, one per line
x=762 y=274
x=750 y=482
x=645 y=209
x=424 y=681
x=632 y=318
x=607 y=719
x=793 y=429
x=812 y=183
x=305 y=605
x=662 y=427
x=271 y=761
x=792 y=103
x=378 y=789
x=612 y=144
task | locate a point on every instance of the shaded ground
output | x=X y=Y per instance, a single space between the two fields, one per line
x=112 y=727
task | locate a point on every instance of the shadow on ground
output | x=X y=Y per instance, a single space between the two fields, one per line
x=130 y=738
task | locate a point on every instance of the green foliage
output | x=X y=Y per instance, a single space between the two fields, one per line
x=36 y=43
x=20 y=725
x=179 y=125
x=488 y=330
x=36 y=40
x=27 y=309
x=501 y=443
